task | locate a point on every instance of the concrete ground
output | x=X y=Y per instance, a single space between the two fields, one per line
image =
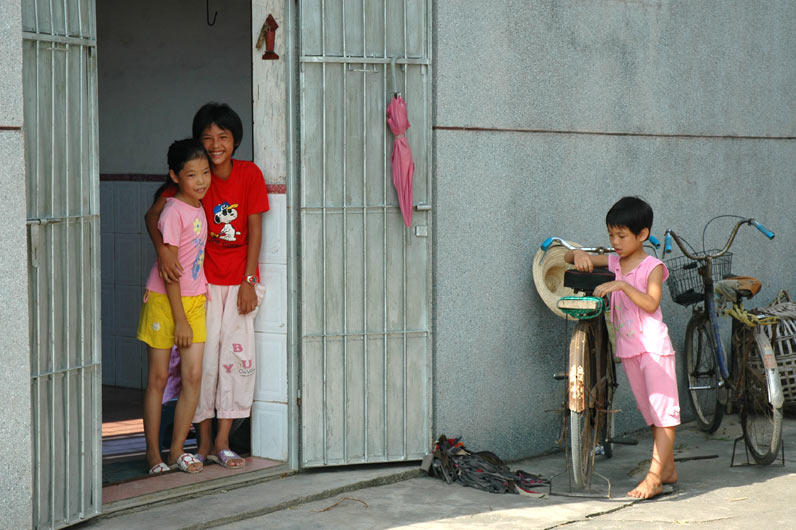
x=710 y=494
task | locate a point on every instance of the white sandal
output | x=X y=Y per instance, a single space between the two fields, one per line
x=157 y=469
x=184 y=461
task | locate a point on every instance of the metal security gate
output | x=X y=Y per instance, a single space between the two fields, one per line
x=60 y=106
x=364 y=279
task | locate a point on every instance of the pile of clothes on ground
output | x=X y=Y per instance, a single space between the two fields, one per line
x=482 y=470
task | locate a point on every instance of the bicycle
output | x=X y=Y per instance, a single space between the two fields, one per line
x=592 y=373
x=749 y=381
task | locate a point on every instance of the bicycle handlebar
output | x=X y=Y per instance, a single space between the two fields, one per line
x=766 y=232
x=667 y=247
x=547 y=243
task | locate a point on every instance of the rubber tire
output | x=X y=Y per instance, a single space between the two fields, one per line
x=760 y=421
x=609 y=429
x=581 y=424
x=699 y=348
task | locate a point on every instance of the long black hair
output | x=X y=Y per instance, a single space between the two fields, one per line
x=180 y=153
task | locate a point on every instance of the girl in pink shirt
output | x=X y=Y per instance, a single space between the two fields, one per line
x=173 y=314
x=642 y=339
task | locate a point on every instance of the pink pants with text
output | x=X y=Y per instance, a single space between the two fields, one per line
x=228 y=366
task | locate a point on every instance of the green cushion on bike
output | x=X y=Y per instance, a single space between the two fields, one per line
x=577 y=304
x=587 y=281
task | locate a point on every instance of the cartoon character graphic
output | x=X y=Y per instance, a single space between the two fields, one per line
x=224 y=214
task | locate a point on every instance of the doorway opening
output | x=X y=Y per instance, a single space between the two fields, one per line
x=158 y=63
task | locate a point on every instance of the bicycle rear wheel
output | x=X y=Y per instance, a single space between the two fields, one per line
x=703 y=373
x=760 y=420
x=586 y=424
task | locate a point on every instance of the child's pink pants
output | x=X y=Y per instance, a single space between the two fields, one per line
x=228 y=370
x=653 y=380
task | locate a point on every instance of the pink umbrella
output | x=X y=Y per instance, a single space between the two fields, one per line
x=403 y=167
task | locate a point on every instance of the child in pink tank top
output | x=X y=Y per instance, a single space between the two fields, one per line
x=642 y=339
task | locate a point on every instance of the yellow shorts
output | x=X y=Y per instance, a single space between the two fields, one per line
x=156 y=325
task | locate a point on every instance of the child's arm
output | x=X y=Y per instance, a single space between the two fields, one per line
x=183 y=334
x=648 y=301
x=247 y=296
x=168 y=265
x=584 y=261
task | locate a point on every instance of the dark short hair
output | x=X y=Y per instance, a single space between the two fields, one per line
x=632 y=212
x=222 y=116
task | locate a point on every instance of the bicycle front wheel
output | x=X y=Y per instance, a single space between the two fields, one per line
x=609 y=429
x=703 y=373
x=583 y=424
x=760 y=420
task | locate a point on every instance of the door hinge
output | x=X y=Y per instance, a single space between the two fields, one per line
x=298 y=400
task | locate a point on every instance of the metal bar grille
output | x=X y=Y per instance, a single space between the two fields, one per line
x=59 y=43
x=364 y=283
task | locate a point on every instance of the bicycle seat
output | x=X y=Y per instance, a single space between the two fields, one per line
x=587 y=281
x=738 y=287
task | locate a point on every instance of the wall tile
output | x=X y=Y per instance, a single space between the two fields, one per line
x=127 y=307
x=108 y=360
x=274 y=247
x=128 y=363
x=107 y=301
x=107 y=253
x=269 y=430
x=127 y=265
x=272 y=315
x=146 y=259
x=271 y=367
x=107 y=210
x=128 y=215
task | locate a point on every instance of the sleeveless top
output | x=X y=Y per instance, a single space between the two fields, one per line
x=637 y=331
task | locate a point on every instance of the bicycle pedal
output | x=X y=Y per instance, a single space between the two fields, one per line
x=561 y=376
x=623 y=441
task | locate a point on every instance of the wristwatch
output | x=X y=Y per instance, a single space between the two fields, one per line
x=252 y=279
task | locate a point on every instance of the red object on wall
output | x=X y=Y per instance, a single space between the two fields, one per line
x=270 y=33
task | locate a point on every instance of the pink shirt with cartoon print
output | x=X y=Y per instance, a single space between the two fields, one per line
x=185 y=227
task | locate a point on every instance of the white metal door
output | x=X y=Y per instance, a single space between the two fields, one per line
x=365 y=279
x=60 y=105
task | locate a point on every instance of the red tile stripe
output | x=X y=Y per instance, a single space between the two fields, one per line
x=148 y=177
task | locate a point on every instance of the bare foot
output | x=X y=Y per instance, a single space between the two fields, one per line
x=670 y=477
x=153 y=458
x=648 y=488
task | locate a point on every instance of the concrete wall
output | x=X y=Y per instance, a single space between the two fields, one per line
x=158 y=63
x=16 y=481
x=684 y=103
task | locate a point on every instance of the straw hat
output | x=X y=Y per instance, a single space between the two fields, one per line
x=548 y=276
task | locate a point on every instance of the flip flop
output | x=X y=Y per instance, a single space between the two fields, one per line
x=185 y=460
x=157 y=469
x=224 y=456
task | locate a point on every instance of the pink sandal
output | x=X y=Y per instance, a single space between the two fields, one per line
x=224 y=456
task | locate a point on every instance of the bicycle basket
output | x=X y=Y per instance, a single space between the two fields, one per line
x=581 y=307
x=685 y=283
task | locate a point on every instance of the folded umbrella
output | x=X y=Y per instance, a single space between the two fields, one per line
x=403 y=167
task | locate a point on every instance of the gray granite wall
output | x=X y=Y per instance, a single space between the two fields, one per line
x=15 y=436
x=545 y=114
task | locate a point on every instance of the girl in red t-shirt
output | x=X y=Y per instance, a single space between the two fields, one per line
x=234 y=205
